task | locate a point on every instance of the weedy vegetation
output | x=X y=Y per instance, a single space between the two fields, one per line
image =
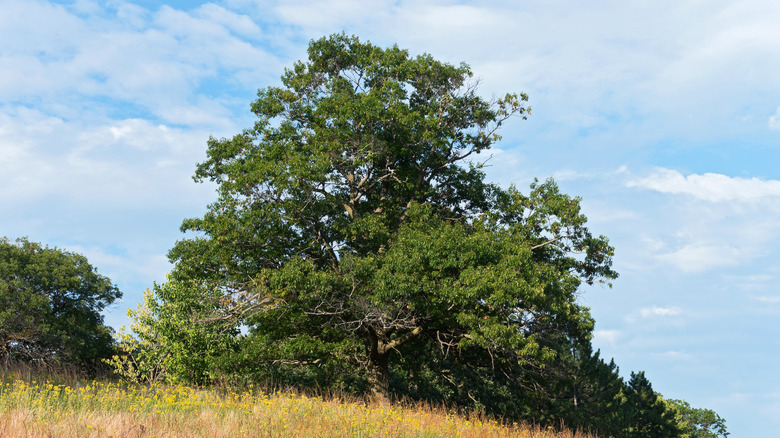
x=46 y=403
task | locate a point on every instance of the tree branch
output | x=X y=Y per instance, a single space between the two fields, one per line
x=548 y=242
x=400 y=341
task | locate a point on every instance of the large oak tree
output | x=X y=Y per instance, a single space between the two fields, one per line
x=353 y=225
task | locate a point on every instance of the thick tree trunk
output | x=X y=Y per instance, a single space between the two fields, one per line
x=379 y=349
x=378 y=370
x=379 y=376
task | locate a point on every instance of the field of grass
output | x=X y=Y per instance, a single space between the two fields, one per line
x=50 y=405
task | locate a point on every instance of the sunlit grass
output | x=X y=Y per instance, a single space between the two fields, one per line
x=50 y=407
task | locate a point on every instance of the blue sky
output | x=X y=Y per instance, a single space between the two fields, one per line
x=664 y=116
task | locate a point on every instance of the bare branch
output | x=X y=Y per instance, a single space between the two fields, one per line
x=549 y=242
x=402 y=340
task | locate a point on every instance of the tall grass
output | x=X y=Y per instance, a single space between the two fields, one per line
x=35 y=403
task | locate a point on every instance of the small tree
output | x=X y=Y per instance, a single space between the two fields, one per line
x=697 y=422
x=587 y=392
x=50 y=303
x=645 y=412
x=168 y=343
x=351 y=226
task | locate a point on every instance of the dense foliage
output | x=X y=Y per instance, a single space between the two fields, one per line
x=356 y=246
x=167 y=341
x=50 y=304
x=349 y=225
x=697 y=422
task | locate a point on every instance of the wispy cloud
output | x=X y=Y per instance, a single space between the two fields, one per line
x=774 y=120
x=133 y=60
x=702 y=222
x=123 y=162
x=655 y=311
x=606 y=337
x=711 y=187
x=701 y=256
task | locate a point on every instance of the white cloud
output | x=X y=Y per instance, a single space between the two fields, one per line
x=237 y=23
x=126 y=162
x=774 y=120
x=655 y=311
x=700 y=222
x=618 y=54
x=651 y=243
x=711 y=187
x=132 y=15
x=606 y=337
x=22 y=166
x=702 y=256
x=135 y=60
x=125 y=265
x=320 y=17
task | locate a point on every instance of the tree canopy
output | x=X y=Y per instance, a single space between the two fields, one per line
x=50 y=304
x=698 y=422
x=352 y=219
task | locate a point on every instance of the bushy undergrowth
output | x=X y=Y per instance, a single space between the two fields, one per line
x=40 y=403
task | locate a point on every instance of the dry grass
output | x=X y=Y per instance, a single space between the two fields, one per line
x=53 y=406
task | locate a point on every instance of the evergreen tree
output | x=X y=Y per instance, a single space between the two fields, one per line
x=646 y=414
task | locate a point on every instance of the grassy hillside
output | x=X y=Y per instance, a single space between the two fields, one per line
x=45 y=405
